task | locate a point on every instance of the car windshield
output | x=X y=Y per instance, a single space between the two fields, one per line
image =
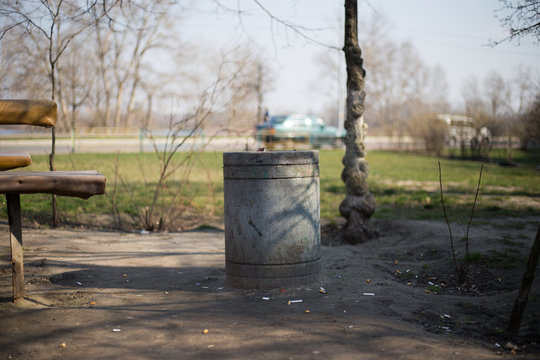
x=319 y=122
x=278 y=119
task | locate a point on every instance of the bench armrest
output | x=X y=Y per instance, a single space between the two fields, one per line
x=13 y=161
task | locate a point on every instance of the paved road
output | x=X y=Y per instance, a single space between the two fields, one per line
x=63 y=146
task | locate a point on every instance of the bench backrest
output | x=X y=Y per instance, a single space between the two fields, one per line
x=28 y=112
x=25 y=112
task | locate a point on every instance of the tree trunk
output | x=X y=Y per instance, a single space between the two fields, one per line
x=148 y=117
x=53 y=138
x=130 y=105
x=359 y=204
x=103 y=45
x=62 y=124
x=259 y=93
x=526 y=283
x=118 y=106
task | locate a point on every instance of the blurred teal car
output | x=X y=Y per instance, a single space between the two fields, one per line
x=299 y=128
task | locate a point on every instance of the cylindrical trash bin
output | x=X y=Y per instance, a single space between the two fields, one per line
x=272 y=218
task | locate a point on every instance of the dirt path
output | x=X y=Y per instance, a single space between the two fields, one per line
x=103 y=295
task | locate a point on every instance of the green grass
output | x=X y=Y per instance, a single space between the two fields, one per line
x=404 y=185
x=508 y=258
x=474 y=257
x=407 y=185
x=433 y=289
x=508 y=240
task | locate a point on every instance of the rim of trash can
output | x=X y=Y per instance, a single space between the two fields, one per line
x=250 y=158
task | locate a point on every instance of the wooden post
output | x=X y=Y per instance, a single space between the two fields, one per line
x=14 y=216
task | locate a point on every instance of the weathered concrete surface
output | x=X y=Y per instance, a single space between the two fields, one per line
x=272 y=218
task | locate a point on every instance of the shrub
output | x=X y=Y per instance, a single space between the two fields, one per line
x=431 y=131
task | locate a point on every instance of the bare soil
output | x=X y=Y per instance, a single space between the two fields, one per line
x=112 y=295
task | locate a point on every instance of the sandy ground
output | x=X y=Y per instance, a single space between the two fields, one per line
x=110 y=295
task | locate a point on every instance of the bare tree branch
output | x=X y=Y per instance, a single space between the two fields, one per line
x=521 y=19
x=297 y=29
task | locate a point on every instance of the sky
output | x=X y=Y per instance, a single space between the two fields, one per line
x=453 y=34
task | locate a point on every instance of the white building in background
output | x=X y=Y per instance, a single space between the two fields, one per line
x=461 y=130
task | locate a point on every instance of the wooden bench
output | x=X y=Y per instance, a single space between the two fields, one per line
x=82 y=184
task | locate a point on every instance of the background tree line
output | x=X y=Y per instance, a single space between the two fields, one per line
x=125 y=64
x=404 y=94
x=122 y=64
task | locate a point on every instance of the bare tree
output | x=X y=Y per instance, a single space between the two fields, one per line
x=521 y=97
x=23 y=68
x=523 y=20
x=470 y=91
x=496 y=93
x=164 y=202
x=57 y=23
x=431 y=130
x=103 y=93
x=520 y=18
x=506 y=100
x=123 y=47
x=77 y=81
x=499 y=103
x=401 y=86
x=263 y=82
x=359 y=204
x=525 y=287
x=522 y=90
x=243 y=91
x=253 y=80
x=329 y=84
x=529 y=124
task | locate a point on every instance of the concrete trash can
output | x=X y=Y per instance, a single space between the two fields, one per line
x=272 y=218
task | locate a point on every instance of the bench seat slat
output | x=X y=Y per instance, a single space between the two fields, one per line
x=82 y=184
x=13 y=161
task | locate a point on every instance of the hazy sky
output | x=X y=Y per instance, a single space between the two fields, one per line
x=454 y=34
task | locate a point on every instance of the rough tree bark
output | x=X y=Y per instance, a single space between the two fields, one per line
x=359 y=204
x=525 y=288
